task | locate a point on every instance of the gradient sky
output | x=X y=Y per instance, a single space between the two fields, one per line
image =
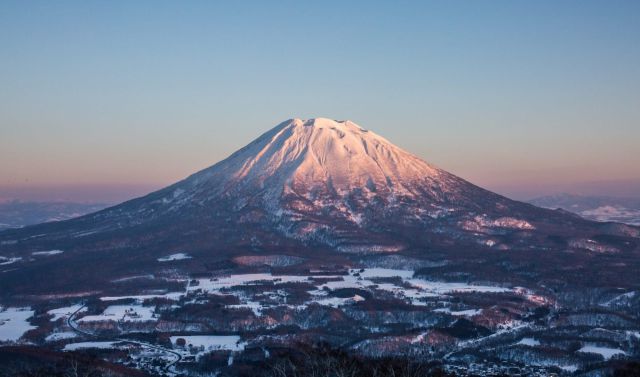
x=108 y=99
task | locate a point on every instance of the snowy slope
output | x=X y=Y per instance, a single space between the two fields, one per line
x=339 y=154
x=315 y=156
x=302 y=166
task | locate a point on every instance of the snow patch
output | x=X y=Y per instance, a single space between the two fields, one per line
x=124 y=313
x=66 y=311
x=606 y=352
x=47 y=253
x=209 y=343
x=174 y=257
x=268 y=260
x=56 y=336
x=531 y=342
x=462 y=313
x=5 y=260
x=14 y=323
x=88 y=345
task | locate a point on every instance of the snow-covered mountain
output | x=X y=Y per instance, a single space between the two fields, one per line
x=317 y=185
x=321 y=181
x=330 y=181
x=317 y=159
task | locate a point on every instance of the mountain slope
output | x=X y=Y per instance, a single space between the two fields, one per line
x=307 y=186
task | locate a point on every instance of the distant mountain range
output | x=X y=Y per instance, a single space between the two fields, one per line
x=598 y=208
x=16 y=214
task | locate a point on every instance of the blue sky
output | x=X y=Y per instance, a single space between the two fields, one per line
x=525 y=98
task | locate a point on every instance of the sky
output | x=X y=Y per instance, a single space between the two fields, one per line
x=106 y=100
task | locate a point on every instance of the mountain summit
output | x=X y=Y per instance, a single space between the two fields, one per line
x=301 y=154
x=307 y=188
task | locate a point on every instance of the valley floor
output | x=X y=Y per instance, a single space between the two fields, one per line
x=228 y=323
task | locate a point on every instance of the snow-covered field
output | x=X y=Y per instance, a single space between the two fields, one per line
x=60 y=336
x=86 y=345
x=420 y=288
x=65 y=312
x=606 y=352
x=47 y=253
x=336 y=301
x=216 y=284
x=127 y=313
x=174 y=257
x=531 y=342
x=211 y=342
x=463 y=313
x=355 y=279
x=407 y=287
x=14 y=323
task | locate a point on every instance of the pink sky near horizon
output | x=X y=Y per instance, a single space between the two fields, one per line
x=112 y=171
x=106 y=101
x=520 y=185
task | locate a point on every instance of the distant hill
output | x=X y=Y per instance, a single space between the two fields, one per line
x=599 y=208
x=16 y=214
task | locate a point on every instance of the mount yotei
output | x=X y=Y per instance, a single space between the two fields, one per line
x=319 y=183
x=329 y=229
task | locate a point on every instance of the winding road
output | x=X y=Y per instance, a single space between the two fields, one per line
x=176 y=356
